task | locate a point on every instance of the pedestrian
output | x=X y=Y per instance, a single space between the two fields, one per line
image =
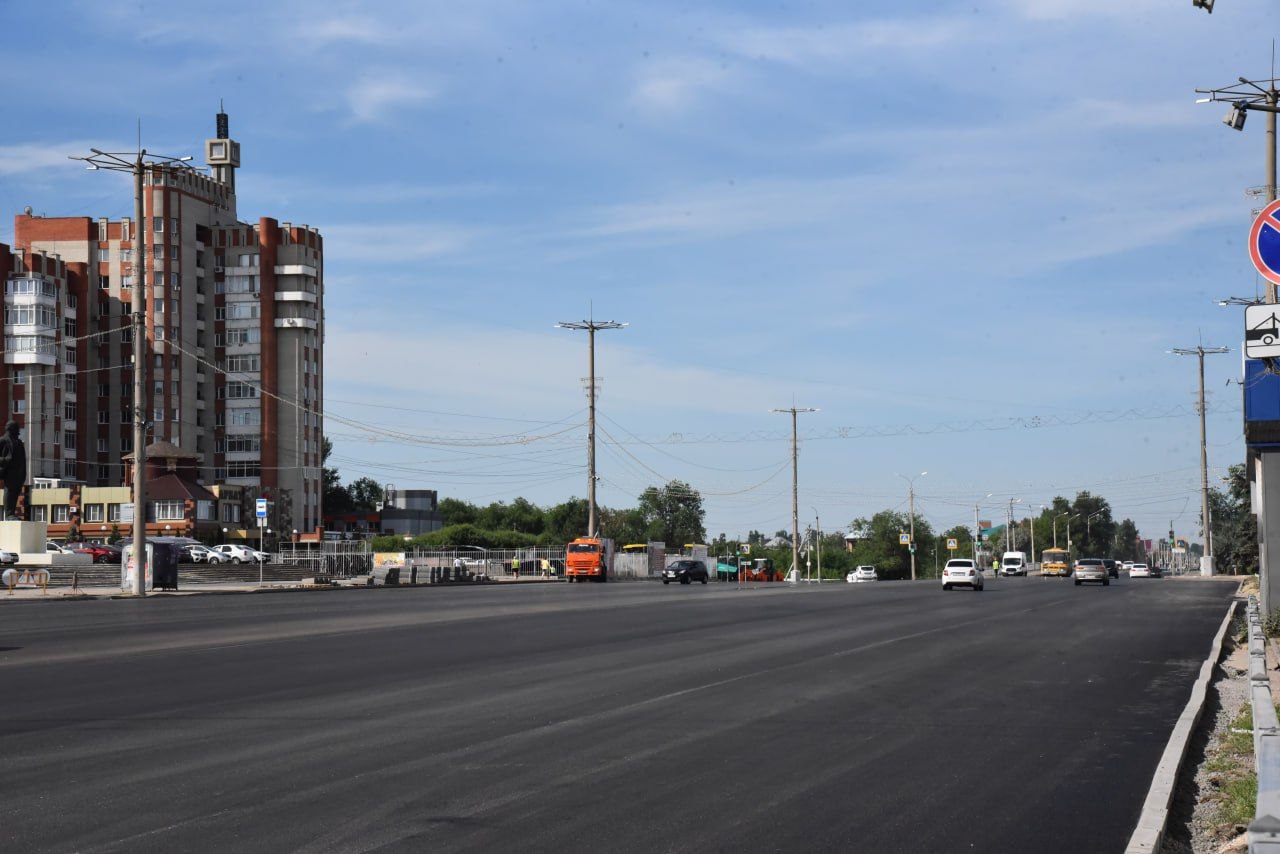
x=457 y=568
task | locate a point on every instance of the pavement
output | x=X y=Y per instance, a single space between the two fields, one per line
x=621 y=717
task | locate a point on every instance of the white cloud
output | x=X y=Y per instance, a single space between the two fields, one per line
x=395 y=243
x=672 y=85
x=1054 y=10
x=33 y=157
x=373 y=98
x=845 y=42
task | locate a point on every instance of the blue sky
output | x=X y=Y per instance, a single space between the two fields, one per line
x=910 y=214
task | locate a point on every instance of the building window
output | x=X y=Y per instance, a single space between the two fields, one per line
x=40 y=513
x=69 y=469
x=246 y=418
x=157 y=224
x=126 y=444
x=113 y=512
x=70 y=327
x=19 y=406
x=102 y=444
x=166 y=511
x=242 y=364
x=20 y=376
x=243 y=444
x=243 y=469
x=69 y=441
x=61 y=513
x=104 y=417
x=69 y=411
x=204 y=511
x=93 y=513
x=104 y=390
x=231 y=513
x=104 y=473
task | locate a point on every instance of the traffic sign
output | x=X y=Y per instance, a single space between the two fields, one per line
x=261 y=508
x=904 y=539
x=1262 y=332
x=1264 y=242
x=952 y=544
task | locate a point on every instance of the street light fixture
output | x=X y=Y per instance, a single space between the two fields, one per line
x=1207 y=5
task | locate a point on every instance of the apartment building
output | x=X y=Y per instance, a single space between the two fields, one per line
x=234 y=328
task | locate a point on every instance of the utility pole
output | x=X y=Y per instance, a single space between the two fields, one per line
x=795 y=483
x=137 y=163
x=911 y=518
x=591 y=326
x=1200 y=351
x=817 y=536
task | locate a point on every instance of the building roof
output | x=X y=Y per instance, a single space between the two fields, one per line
x=171 y=487
x=164 y=450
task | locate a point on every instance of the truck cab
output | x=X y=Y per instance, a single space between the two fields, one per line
x=588 y=558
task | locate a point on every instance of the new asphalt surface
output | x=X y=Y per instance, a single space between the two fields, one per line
x=618 y=717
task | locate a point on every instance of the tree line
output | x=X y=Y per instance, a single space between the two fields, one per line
x=672 y=514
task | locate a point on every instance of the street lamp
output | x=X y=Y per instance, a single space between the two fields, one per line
x=138 y=163
x=1207 y=5
x=911 y=519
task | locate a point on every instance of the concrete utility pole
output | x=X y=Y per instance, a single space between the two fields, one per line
x=817 y=539
x=795 y=483
x=591 y=326
x=911 y=518
x=1206 y=562
x=137 y=163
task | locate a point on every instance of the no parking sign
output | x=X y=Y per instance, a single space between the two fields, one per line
x=1264 y=243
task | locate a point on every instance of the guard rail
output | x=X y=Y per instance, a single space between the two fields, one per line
x=1264 y=830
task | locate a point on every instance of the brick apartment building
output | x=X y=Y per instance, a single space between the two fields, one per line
x=235 y=328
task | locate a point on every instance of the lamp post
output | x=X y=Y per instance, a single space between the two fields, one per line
x=1088 y=529
x=911 y=519
x=137 y=163
x=1055 y=527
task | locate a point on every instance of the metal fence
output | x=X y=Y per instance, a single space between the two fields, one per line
x=545 y=561
x=331 y=558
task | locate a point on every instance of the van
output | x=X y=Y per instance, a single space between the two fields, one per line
x=1013 y=563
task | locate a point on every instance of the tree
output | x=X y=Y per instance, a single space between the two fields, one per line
x=336 y=498
x=1235 y=528
x=1128 y=545
x=366 y=494
x=883 y=550
x=673 y=514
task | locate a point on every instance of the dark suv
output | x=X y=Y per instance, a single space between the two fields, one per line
x=686 y=572
x=1113 y=568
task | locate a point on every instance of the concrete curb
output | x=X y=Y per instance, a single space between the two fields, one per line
x=1149 y=834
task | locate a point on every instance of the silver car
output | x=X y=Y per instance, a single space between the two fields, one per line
x=1091 y=569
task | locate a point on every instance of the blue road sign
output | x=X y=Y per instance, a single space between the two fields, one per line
x=1264 y=242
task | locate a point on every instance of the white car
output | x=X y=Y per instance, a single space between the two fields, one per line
x=1139 y=570
x=233 y=553
x=1128 y=564
x=204 y=554
x=960 y=572
x=861 y=574
x=53 y=548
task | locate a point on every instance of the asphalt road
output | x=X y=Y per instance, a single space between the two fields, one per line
x=620 y=717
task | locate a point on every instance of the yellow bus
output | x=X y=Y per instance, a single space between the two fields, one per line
x=1055 y=562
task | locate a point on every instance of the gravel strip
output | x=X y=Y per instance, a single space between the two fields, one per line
x=1194 y=823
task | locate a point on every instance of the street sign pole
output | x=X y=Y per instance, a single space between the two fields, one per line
x=1261 y=338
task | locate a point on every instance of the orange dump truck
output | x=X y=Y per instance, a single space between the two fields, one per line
x=588 y=558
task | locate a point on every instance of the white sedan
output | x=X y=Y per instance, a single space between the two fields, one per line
x=235 y=553
x=861 y=574
x=1139 y=570
x=961 y=572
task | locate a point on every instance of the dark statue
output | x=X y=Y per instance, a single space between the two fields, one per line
x=13 y=467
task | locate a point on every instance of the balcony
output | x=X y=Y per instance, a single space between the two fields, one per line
x=296 y=323
x=199 y=272
x=296 y=296
x=295 y=270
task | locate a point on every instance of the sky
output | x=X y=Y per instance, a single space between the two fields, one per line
x=967 y=233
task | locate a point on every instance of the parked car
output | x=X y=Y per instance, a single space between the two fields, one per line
x=235 y=553
x=1090 y=569
x=196 y=553
x=1139 y=570
x=1128 y=565
x=861 y=574
x=100 y=552
x=8 y=558
x=53 y=548
x=961 y=572
x=686 y=572
x=1113 y=568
